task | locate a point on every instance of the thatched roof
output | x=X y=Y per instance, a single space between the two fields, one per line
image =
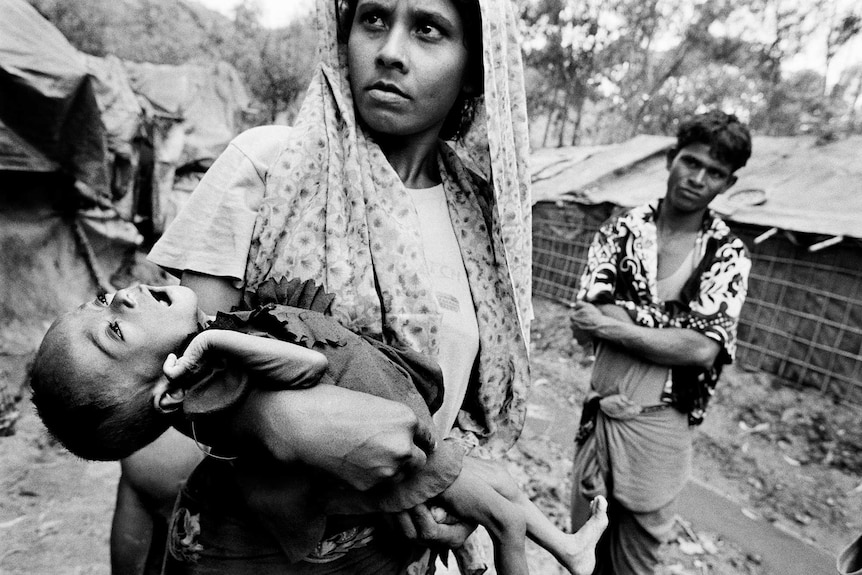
x=808 y=188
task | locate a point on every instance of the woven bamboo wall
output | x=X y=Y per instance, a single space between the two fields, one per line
x=802 y=320
x=562 y=232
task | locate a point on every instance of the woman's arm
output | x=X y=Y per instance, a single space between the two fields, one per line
x=360 y=438
x=214 y=293
x=357 y=437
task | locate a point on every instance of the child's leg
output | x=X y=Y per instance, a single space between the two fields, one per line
x=574 y=551
x=472 y=499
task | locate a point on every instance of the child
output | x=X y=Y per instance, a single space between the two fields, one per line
x=106 y=381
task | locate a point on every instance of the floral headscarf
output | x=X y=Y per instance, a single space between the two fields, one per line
x=335 y=211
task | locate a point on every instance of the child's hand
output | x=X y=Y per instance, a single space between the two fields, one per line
x=288 y=365
x=191 y=362
x=174 y=367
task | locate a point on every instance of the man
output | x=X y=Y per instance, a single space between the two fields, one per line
x=660 y=298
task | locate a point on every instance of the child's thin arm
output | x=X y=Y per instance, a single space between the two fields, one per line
x=266 y=359
x=131 y=531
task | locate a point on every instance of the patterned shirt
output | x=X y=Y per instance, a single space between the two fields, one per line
x=622 y=269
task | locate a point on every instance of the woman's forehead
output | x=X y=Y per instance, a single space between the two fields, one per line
x=423 y=5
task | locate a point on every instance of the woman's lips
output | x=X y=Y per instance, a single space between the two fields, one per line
x=387 y=91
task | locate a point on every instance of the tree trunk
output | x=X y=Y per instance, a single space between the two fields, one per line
x=551 y=110
x=564 y=118
x=579 y=110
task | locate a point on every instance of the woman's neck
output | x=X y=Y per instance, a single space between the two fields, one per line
x=413 y=159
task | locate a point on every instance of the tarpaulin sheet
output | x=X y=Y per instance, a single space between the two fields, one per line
x=804 y=186
x=207 y=102
x=46 y=96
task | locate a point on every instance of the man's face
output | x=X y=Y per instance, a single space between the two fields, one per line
x=696 y=178
x=135 y=328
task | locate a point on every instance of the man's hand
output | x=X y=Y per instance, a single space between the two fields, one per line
x=357 y=437
x=586 y=319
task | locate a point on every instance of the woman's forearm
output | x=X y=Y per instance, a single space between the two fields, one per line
x=214 y=293
x=329 y=428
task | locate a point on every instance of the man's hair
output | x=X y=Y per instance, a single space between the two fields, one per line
x=460 y=117
x=728 y=139
x=95 y=415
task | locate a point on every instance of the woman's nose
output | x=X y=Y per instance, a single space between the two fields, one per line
x=392 y=52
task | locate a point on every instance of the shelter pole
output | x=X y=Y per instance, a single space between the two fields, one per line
x=825 y=244
x=765 y=235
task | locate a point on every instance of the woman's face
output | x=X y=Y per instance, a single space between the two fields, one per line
x=407 y=62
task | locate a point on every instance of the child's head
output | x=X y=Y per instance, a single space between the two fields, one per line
x=97 y=379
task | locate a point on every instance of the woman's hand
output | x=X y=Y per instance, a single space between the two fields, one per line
x=434 y=527
x=357 y=437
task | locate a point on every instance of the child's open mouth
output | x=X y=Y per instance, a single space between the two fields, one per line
x=160 y=296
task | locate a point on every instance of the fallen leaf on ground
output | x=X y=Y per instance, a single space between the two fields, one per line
x=708 y=545
x=12 y=522
x=791 y=461
x=690 y=547
x=802 y=518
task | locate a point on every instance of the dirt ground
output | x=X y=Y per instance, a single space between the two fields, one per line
x=787 y=455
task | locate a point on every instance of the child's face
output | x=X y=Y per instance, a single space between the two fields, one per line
x=136 y=327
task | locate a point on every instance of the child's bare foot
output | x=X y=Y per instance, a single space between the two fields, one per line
x=580 y=558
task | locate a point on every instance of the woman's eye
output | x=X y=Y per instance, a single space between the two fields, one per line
x=102 y=299
x=372 y=19
x=115 y=327
x=429 y=31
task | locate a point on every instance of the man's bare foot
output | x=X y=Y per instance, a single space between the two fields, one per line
x=580 y=558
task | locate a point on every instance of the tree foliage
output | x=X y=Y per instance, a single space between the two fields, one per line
x=277 y=62
x=605 y=70
x=598 y=70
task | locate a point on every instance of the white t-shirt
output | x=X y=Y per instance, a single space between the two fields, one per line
x=459 y=331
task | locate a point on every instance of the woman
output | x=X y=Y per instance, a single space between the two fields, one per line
x=364 y=197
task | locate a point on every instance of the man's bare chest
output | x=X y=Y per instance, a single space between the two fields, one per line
x=673 y=252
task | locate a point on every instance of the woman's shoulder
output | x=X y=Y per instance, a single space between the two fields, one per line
x=263 y=143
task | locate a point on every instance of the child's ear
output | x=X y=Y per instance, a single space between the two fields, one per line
x=167 y=397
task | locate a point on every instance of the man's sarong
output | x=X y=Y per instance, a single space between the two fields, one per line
x=639 y=456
